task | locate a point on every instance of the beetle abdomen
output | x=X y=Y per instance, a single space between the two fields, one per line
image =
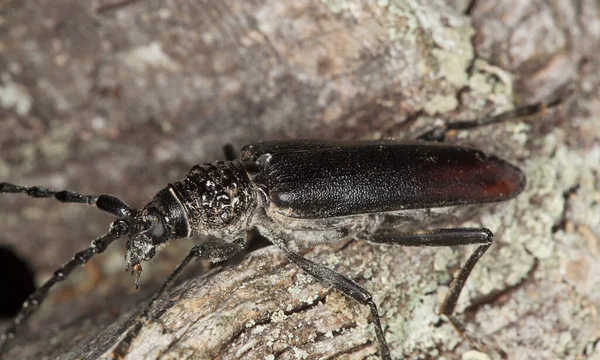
x=365 y=177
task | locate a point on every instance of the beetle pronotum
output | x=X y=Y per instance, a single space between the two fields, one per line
x=306 y=186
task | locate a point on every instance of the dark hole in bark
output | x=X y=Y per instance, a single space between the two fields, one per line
x=16 y=282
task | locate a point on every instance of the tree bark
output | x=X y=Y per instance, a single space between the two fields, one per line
x=124 y=97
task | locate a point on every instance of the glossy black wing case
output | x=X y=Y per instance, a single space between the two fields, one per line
x=319 y=179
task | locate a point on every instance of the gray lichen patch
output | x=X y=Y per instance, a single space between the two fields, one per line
x=149 y=57
x=533 y=256
x=15 y=97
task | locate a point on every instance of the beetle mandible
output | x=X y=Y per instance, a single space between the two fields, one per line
x=304 y=185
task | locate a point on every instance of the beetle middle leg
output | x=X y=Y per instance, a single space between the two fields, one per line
x=214 y=251
x=447 y=237
x=344 y=285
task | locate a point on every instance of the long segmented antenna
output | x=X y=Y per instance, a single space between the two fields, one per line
x=108 y=203
x=118 y=228
x=64 y=196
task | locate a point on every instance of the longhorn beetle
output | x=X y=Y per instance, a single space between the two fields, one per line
x=304 y=186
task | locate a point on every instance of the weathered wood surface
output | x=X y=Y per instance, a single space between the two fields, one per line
x=125 y=96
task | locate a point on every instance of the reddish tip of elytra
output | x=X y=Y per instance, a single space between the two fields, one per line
x=509 y=181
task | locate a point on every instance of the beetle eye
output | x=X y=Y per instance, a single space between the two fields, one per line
x=158 y=231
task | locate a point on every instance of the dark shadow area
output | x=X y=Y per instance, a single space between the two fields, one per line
x=256 y=241
x=16 y=282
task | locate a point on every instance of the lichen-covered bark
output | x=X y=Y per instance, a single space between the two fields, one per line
x=123 y=97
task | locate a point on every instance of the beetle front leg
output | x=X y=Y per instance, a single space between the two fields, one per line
x=213 y=251
x=345 y=286
x=448 y=237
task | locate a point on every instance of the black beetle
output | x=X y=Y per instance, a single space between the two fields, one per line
x=281 y=188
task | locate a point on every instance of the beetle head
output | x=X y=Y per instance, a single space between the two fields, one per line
x=162 y=219
x=147 y=232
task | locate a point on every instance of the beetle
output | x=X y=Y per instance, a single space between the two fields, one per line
x=287 y=189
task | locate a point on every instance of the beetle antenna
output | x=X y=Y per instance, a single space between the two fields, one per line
x=117 y=229
x=107 y=203
x=65 y=196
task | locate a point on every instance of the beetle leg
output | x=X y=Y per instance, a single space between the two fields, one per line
x=438 y=134
x=448 y=237
x=345 y=286
x=437 y=237
x=213 y=251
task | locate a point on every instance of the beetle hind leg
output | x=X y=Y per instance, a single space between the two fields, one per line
x=438 y=134
x=449 y=237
